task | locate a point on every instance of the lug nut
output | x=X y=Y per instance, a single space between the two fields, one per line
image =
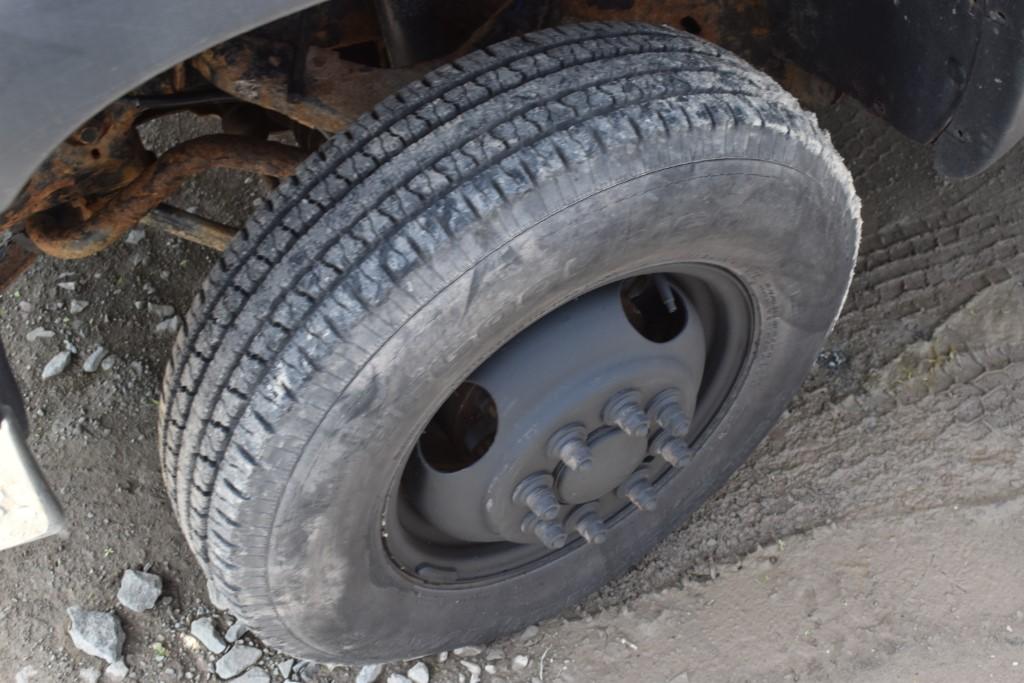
x=624 y=411
x=569 y=444
x=551 y=534
x=639 y=492
x=668 y=412
x=674 y=451
x=592 y=529
x=535 y=493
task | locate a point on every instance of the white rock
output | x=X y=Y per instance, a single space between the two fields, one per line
x=39 y=333
x=473 y=669
x=419 y=673
x=94 y=360
x=529 y=632
x=108 y=362
x=369 y=673
x=57 y=364
x=285 y=668
x=26 y=306
x=96 y=633
x=89 y=675
x=168 y=326
x=236 y=631
x=161 y=311
x=253 y=675
x=77 y=306
x=116 y=672
x=238 y=659
x=520 y=662
x=206 y=633
x=468 y=651
x=68 y=286
x=135 y=236
x=139 y=591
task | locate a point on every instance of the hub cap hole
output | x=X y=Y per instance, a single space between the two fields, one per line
x=462 y=431
x=646 y=304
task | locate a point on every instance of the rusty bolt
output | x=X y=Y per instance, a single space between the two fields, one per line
x=667 y=411
x=674 y=451
x=639 y=492
x=550 y=533
x=535 y=493
x=624 y=412
x=592 y=529
x=569 y=444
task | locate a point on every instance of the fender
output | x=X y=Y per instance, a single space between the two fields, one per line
x=62 y=62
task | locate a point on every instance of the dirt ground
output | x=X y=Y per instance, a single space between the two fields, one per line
x=876 y=534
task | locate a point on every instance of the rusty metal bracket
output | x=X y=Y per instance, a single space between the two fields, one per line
x=103 y=225
x=335 y=92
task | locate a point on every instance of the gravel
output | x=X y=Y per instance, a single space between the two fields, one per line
x=139 y=591
x=94 y=360
x=235 y=631
x=76 y=306
x=97 y=633
x=419 y=673
x=135 y=236
x=118 y=671
x=398 y=678
x=237 y=660
x=168 y=326
x=38 y=333
x=520 y=662
x=253 y=675
x=57 y=365
x=162 y=311
x=205 y=631
x=369 y=673
x=468 y=651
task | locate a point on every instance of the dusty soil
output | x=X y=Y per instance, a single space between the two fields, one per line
x=876 y=534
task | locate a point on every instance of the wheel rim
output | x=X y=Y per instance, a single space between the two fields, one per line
x=577 y=423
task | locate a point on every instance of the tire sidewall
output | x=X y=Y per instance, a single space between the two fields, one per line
x=782 y=232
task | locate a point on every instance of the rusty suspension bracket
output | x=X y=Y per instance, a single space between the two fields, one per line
x=334 y=91
x=102 y=225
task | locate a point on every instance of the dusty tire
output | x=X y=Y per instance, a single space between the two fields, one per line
x=412 y=246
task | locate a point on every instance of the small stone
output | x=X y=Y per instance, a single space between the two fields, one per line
x=116 y=672
x=69 y=346
x=468 y=651
x=253 y=675
x=26 y=306
x=77 y=306
x=206 y=633
x=139 y=590
x=237 y=660
x=369 y=673
x=490 y=668
x=419 y=673
x=96 y=633
x=89 y=675
x=39 y=333
x=442 y=656
x=236 y=631
x=398 y=678
x=529 y=632
x=168 y=326
x=94 y=360
x=108 y=362
x=285 y=668
x=520 y=662
x=161 y=311
x=135 y=236
x=493 y=654
x=68 y=286
x=473 y=669
x=57 y=364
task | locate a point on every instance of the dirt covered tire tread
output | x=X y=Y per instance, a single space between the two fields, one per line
x=312 y=267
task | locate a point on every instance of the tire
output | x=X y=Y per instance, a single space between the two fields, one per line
x=412 y=246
